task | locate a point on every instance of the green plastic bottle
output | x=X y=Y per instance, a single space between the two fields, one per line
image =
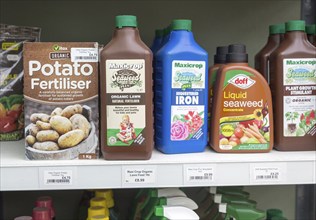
x=237 y=191
x=176 y=213
x=278 y=218
x=149 y=210
x=274 y=213
x=241 y=212
x=232 y=199
x=144 y=196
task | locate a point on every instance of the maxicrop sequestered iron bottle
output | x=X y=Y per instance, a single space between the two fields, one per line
x=181 y=95
x=126 y=94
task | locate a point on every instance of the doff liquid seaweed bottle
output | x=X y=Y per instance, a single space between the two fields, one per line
x=181 y=93
x=241 y=118
x=126 y=94
x=293 y=86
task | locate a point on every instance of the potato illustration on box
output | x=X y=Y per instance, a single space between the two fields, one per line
x=61 y=101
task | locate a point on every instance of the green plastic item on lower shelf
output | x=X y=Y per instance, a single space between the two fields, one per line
x=278 y=218
x=236 y=191
x=176 y=213
x=241 y=212
x=234 y=199
x=274 y=213
x=138 y=202
x=149 y=210
x=144 y=197
x=158 y=218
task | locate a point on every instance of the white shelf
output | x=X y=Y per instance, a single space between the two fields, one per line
x=17 y=173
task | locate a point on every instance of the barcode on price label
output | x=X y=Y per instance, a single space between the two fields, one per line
x=57 y=181
x=84 y=55
x=271 y=176
x=198 y=174
x=266 y=173
x=58 y=177
x=207 y=176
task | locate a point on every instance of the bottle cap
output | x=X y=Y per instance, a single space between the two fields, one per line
x=125 y=21
x=23 y=218
x=99 y=217
x=97 y=210
x=98 y=201
x=277 y=29
x=41 y=213
x=104 y=193
x=159 y=32
x=158 y=211
x=295 y=25
x=110 y=203
x=46 y=201
x=220 y=56
x=274 y=212
x=237 y=54
x=182 y=24
x=310 y=29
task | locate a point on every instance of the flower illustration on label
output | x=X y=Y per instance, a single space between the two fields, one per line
x=242 y=81
x=179 y=131
x=126 y=79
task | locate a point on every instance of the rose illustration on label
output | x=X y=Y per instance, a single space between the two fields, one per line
x=125 y=79
x=179 y=131
x=192 y=121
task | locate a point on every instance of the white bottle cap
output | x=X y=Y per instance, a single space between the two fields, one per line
x=171 y=192
x=182 y=201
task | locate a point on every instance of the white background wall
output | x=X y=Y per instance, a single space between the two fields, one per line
x=215 y=23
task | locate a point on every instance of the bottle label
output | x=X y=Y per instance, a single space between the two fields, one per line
x=244 y=122
x=187 y=100
x=299 y=100
x=125 y=95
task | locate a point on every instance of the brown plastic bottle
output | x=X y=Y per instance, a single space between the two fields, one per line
x=276 y=35
x=126 y=94
x=293 y=87
x=242 y=115
x=311 y=33
x=219 y=61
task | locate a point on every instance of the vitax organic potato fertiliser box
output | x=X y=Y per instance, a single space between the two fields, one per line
x=61 y=100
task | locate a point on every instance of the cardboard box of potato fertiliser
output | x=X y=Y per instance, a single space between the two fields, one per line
x=61 y=100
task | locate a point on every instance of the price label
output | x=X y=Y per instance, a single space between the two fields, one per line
x=84 y=55
x=139 y=175
x=58 y=177
x=54 y=177
x=267 y=173
x=199 y=173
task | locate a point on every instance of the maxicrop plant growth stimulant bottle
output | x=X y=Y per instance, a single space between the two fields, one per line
x=293 y=86
x=181 y=93
x=276 y=35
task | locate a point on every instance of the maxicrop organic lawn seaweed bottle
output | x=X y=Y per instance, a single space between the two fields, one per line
x=126 y=94
x=181 y=93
